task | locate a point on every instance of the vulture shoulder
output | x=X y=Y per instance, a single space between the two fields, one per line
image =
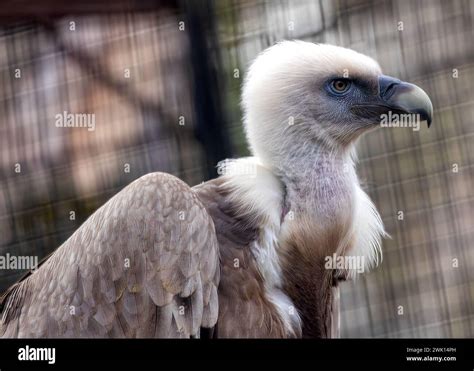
x=245 y=203
x=146 y=264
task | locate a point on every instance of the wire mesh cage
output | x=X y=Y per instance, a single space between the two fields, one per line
x=158 y=87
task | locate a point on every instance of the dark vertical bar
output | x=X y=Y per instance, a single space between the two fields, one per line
x=204 y=55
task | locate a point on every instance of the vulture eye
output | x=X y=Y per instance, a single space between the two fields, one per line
x=339 y=86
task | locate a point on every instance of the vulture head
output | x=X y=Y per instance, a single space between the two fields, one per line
x=299 y=96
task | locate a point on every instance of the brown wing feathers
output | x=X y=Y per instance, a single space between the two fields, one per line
x=143 y=265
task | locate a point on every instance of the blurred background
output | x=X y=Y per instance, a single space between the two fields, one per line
x=163 y=78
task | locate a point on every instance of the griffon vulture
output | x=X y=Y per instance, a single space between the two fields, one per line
x=243 y=255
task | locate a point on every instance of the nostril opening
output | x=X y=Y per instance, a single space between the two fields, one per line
x=387 y=86
x=389 y=90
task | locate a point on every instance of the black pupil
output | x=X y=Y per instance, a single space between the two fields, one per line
x=339 y=85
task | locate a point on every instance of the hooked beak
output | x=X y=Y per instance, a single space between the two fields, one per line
x=405 y=97
x=397 y=97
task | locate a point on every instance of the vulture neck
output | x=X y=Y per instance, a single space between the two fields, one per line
x=319 y=190
x=314 y=181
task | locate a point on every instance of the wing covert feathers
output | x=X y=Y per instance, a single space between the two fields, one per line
x=146 y=264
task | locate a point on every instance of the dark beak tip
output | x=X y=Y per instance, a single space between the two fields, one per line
x=426 y=117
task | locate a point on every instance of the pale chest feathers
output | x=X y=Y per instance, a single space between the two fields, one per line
x=347 y=224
